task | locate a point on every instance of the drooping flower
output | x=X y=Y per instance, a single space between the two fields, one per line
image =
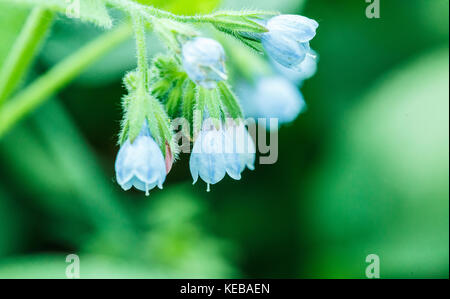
x=243 y=144
x=287 y=40
x=216 y=153
x=141 y=163
x=306 y=70
x=204 y=61
x=273 y=97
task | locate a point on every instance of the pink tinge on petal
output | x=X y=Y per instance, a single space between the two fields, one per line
x=169 y=159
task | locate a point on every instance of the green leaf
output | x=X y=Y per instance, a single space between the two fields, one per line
x=11 y=21
x=93 y=11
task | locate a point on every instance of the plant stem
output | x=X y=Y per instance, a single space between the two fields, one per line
x=150 y=11
x=24 y=50
x=56 y=78
x=141 y=49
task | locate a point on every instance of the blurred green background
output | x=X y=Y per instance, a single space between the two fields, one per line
x=365 y=170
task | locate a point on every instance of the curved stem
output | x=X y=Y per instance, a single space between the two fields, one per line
x=56 y=78
x=23 y=50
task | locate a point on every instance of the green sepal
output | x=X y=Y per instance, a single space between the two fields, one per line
x=199 y=109
x=135 y=113
x=245 y=39
x=130 y=81
x=189 y=97
x=161 y=127
x=161 y=87
x=164 y=75
x=124 y=125
x=168 y=67
x=173 y=103
x=172 y=34
x=229 y=101
x=238 y=21
x=212 y=101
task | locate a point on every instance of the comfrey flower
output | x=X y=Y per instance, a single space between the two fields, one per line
x=306 y=70
x=141 y=164
x=216 y=153
x=204 y=61
x=242 y=144
x=273 y=97
x=287 y=40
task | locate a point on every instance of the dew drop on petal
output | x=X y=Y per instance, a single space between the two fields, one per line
x=147 y=193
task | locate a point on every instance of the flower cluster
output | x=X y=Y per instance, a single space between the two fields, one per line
x=277 y=95
x=190 y=82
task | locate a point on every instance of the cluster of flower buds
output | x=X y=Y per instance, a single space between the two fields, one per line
x=277 y=95
x=191 y=83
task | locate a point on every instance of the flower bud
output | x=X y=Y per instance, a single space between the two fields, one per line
x=204 y=61
x=287 y=41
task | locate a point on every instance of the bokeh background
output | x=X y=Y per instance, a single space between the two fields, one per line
x=365 y=170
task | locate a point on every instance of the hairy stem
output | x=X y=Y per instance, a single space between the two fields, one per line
x=24 y=50
x=141 y=49
x=150 y=11
x=56 y=78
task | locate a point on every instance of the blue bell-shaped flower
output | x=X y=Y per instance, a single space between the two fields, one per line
x=214 y=155
x=204 y=61
x=141 y=164
x=287 y=40
x=272 y=97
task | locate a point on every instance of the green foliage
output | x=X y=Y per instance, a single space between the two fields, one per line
x=385 y=185
x=11 y=21
x=356 y=174
x=89 y=10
